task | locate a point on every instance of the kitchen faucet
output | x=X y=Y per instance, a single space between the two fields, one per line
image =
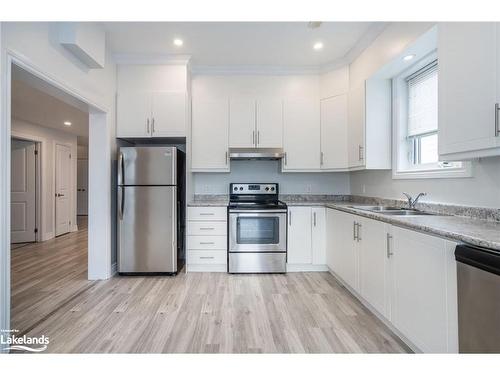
x=411 y=201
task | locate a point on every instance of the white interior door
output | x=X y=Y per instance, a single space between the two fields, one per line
x=82 y=179
x=23 y=192
x=63 y=189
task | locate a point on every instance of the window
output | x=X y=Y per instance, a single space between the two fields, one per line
x=415 y=95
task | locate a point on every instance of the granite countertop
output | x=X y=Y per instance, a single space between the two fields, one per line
x=458 y=228
x=485 y=233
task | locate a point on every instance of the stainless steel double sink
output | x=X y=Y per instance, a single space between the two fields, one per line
x=392 y=211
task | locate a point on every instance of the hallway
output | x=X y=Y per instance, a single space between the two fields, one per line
x=46 y=275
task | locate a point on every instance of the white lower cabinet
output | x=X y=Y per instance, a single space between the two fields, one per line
x=306 y=239
x=406 y=276
x=206 y=245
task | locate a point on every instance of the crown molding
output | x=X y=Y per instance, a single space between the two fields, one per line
x=253 y=70
x=150 y=59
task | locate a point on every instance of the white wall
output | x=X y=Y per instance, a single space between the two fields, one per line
x=483 y=189
x=268 y=171
x=50 y=137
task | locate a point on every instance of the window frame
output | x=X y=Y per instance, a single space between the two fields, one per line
x=402 y=167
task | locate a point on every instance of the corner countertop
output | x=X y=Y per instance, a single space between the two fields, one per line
x=478 y=232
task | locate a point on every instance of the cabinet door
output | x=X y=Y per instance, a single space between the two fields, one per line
x=424 y=290
x=301 y=137
x=242 y=122
x=373 y=274
x=344 y=248
x=169 y=114
x=269 y=123
x=210 y=135
x=468 y=76
x=318 y=235
x=299 y=235
x=356 y=128
x=133 y=115
x=334 y=132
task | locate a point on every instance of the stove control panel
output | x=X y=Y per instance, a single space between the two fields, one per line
x=253 y=189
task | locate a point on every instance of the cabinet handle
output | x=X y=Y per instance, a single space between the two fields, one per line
x=207 y=228
x=389 y=253
x=258 y=137
x=314 y=218
x=207 y=243
x=226 y=158
x=354 y=231
x=153 y=125
x=497 y=127
x=206 y=213
x=321 y=157
x=358 y=237
x=147 y=126
x=253 y=137
x=360 y=152
x=286 y=161
x=206 y=257
x=290 y=218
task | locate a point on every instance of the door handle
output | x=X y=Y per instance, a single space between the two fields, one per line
x=360 y=152
x=59 y=195
x=389 y=253
x=121 y=198
x=121 y=171
x=497 y=127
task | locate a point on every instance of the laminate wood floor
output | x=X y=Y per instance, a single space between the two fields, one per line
x=191 y=313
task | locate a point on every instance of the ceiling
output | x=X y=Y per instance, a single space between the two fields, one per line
x=243 y=43
x=35 y=106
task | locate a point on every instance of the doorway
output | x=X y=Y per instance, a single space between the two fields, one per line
x=62 y=189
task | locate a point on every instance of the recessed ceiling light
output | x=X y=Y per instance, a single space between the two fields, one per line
x=178 y=42
x=67 y=123
x=318 y=45
x=409 y=57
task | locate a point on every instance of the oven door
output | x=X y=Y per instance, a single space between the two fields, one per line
x=255 y=231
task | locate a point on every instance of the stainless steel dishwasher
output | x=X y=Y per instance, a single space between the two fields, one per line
x=478 y=273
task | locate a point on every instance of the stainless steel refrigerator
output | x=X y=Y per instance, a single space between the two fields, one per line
x=150 y=205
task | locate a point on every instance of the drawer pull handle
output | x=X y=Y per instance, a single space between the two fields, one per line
x=206 y=213
x=207 y=228
x=207 y=243
x=206 y=257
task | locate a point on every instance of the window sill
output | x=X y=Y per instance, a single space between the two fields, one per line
x=464 y=172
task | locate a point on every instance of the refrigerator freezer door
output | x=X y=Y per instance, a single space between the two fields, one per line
x=147 y=166
x=147 y=229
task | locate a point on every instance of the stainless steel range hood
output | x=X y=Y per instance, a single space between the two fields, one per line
x=256 y=153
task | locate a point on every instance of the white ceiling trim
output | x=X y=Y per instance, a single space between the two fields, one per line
x=253 y=70
x=150 y=59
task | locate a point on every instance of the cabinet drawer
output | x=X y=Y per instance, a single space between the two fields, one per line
x=207 y=228
x=207 y=213
x=207 y=242
x=206 y=257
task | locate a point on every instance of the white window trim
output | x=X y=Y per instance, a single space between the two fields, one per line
x=399 y=101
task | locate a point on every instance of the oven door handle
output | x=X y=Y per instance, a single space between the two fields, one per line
x=257 y=211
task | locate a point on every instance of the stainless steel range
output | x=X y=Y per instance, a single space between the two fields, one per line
x=257 y=229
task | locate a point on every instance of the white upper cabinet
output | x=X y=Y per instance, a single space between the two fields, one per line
x=269 y=112
x=301 y=134
x=334 y=133
x=356 y=129
x=168 y=114
x=210 y=122
x=133 y=115
x=469 y=80
x=242 y=132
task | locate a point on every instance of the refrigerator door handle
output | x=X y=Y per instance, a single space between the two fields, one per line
x=121 y=171
x=121 y=195
x=174 y=227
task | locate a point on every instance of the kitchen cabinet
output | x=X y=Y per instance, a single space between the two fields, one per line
x=333 y=130
x=210 y=121
x=306 y=238
x=299 y=235
x=151 y=114
x=356 y=129
x=301 y=134
x=469 y=90
x=423 y=304
x=373 y=241
x=256 y=123
x=269 y=119
x=242 y=132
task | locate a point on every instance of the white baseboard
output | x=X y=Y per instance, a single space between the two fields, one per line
x=306 y=268
x=206 y=268
x=114 y=269
x=47 y=236
x=74 y=228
